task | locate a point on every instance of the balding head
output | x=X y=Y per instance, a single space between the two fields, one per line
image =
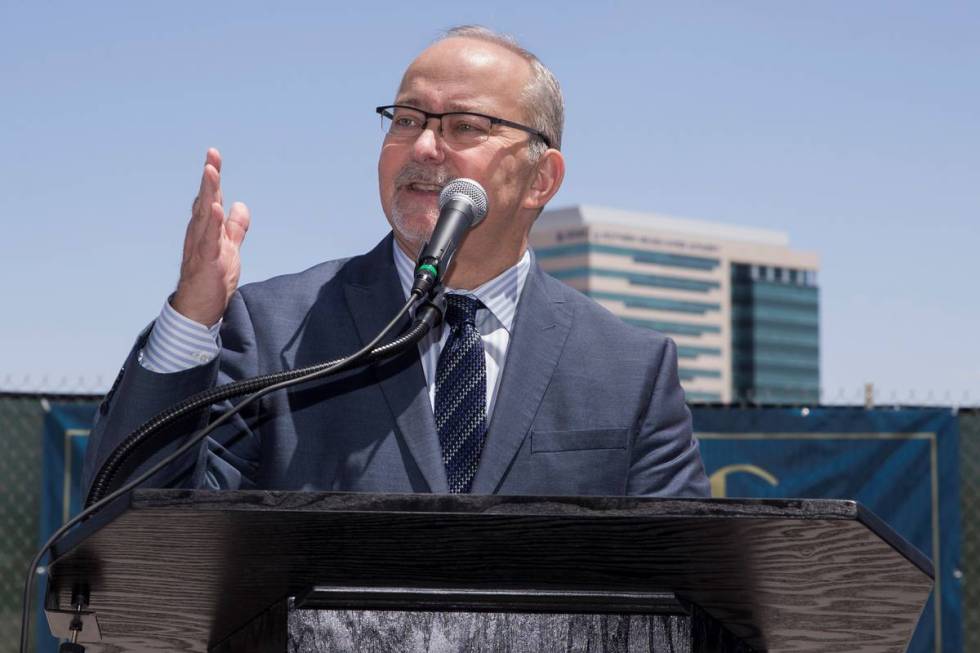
x=479 y=73
x=541 y=98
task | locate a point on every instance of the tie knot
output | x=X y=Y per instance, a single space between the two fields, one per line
x=461 y=309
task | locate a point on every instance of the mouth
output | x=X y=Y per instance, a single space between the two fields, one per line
x=421 y=187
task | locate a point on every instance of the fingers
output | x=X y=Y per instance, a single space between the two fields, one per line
x=211 y=179
x=237 y=223
x=208 y=222
x=210 y=187
x=208 y=193
x=213 y=157
x=210 y=268
x=210 y=241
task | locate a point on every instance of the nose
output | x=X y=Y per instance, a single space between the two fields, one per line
x=428 y=147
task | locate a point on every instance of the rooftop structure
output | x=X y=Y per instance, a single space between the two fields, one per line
x=741 y=305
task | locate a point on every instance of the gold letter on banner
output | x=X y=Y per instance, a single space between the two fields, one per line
x=719 y=485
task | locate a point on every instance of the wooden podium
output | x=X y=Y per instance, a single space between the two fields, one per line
x=181 y=570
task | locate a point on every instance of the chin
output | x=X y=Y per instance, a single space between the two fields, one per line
x=412 y=229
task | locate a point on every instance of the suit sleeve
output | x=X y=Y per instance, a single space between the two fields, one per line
x=665 y=457
x=228 y=458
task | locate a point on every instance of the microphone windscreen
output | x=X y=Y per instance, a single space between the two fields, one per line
x=467 y=190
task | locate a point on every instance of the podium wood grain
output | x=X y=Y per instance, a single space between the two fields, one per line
x=182 y=570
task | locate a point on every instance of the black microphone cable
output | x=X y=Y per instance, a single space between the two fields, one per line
x=429 y=316
x=115 y=465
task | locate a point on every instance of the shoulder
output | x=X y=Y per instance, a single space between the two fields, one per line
x=324 y=281
x=599 y=325
x=298 y=285
x=272 y=310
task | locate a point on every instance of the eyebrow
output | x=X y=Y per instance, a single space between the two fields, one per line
x=450 y=107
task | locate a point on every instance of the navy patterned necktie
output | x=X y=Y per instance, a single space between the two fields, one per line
x=461 y=394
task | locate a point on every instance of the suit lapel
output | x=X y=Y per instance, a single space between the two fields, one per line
x=540 y=329
x=373 y=294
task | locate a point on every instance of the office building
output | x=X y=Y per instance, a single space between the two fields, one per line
x=741 y=305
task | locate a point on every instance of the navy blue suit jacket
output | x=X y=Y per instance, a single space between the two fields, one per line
x=587 y=404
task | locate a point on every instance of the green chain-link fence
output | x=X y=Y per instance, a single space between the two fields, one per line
x=970 y=516
x=21 y=429
x=20 y=501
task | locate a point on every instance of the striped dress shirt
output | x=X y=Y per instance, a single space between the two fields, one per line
x=177 y=343
x=495 y=321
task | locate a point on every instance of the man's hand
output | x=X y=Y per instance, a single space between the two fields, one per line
x=211 y=265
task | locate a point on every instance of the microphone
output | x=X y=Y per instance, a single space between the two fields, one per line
x=462 y=204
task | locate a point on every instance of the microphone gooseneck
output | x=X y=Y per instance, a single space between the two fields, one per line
x=123 y=461
x=111 y=482
x=462 y=204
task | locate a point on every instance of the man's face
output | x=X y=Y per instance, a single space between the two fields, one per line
x=460 y=74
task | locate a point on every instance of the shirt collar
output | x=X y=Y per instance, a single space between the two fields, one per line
x=499 y=295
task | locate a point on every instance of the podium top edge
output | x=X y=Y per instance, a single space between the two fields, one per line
x=593 y=506
x=498 y=506
x=571 y=507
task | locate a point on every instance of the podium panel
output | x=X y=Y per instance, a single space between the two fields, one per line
x=190 y=570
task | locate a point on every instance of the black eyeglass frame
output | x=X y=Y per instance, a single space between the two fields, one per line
x=385 y=112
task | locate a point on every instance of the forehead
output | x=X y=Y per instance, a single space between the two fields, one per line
x=465 y=74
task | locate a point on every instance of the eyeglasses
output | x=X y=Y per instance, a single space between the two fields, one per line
x=458 y=128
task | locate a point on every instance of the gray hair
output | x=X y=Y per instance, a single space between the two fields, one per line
x=542 y=99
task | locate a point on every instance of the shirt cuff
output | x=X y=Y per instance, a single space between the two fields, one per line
x=177 y=343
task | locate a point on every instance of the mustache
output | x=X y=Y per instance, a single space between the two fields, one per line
x=414 y=173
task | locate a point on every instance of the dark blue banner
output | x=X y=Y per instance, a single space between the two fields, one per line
x=66 y=428
x=902 y=464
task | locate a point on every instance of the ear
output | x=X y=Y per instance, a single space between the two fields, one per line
x=548 y=175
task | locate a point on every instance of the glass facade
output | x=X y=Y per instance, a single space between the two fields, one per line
x=637 y=279
x=775 y=335
x=742 y=310
x=638 y=301
x=638 y=255
x=673 y=328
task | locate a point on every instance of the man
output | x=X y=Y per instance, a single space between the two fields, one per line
x=529 y=388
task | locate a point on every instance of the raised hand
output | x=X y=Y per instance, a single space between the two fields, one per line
x=211 y=265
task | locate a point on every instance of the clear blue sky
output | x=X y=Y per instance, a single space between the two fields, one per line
x=853 y=126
